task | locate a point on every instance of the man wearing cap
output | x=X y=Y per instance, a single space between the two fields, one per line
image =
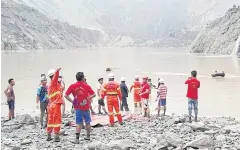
x=54 y=105
x=82 y=94
x=100 y=100
x=124 y=91
x=144 y=94
x=42 y=97
x=112 y=91
x=136 y=86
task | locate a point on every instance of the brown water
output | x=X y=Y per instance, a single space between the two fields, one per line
x=217 y=96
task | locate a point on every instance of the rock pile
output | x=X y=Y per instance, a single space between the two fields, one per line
x=24 y=28
x=169 y=132
x=220 y=36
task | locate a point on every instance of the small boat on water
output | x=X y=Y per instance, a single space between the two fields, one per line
x=218 y=74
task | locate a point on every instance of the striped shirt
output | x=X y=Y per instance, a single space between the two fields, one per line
x=162 y=92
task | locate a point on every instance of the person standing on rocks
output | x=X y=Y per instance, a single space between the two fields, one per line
x=9 y=92
x=124 y=91
x=82 y=94
x=136 y=86
x=192 y=94
x=144 y=94
x=113 y=93
x=42 y=97
x=62 y=83
x=100 y=100
x=54 y=105
x=162 y=95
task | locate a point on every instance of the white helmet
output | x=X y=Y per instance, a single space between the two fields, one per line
x=51 y=72
x=136 y=77
x=123 y=79
x=161 y=80
x=111 y=76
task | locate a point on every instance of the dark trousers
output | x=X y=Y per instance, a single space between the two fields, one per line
x=124 y=104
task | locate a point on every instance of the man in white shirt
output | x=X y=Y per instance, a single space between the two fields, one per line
x=100 y=100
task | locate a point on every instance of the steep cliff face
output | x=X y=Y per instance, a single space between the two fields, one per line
x=219 y=36
x=24 y=28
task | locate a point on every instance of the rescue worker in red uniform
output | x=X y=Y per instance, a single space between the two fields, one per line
x=136 y=86
x=54 y=105
x=112 y=91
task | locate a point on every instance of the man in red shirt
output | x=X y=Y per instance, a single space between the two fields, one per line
x=144 y=94
x=82 y=94
x=192 y=94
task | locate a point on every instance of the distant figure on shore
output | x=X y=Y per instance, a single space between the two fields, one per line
x=62 y=83
x=136 y=86
x=162 y=96
x=9 y=92
x=144 y=94
x=42 y=97
x=125 y=91
x=101 y=103
x=192 y=94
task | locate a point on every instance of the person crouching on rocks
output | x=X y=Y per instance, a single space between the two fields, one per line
x=42 y=97
x=144 y=94
x=83 y=94
x=192 y=94
x=162 y=94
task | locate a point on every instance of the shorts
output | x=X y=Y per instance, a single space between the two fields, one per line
x=145 y=103
x=11 y=104
x=162 y=102
x=101 y=102
x=43 y=106
x=83 y=114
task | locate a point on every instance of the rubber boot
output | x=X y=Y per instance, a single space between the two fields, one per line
x=88 y=135
x=145 y=114
x=49 y=138
x=57 y=138
x=190 y=120
x=195 y=119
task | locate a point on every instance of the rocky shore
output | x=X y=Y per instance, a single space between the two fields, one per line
x=165 y=133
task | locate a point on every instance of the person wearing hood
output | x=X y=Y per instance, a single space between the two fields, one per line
x=54 y=105
x=124 y=91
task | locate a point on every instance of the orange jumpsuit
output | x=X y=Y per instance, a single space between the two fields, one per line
x=54 y=105
x=137 y=87
x=113 y=93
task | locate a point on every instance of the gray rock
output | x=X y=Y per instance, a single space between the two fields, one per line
x=26 y=141
x=173 y=139
x=232 y=128
x=210 y=132
x=95 y=145
x=122 y=144
x=16 y=148
x=201 y=142
x=180 y=120
x=220 y=138
x=198 y=126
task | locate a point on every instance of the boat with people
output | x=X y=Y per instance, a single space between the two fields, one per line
x=218 y=74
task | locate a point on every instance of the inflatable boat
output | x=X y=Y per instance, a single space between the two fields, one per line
x=216 y=74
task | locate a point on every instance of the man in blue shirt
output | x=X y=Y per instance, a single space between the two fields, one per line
x=43 y=99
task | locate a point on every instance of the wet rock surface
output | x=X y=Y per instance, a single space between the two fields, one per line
x=165 y=133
